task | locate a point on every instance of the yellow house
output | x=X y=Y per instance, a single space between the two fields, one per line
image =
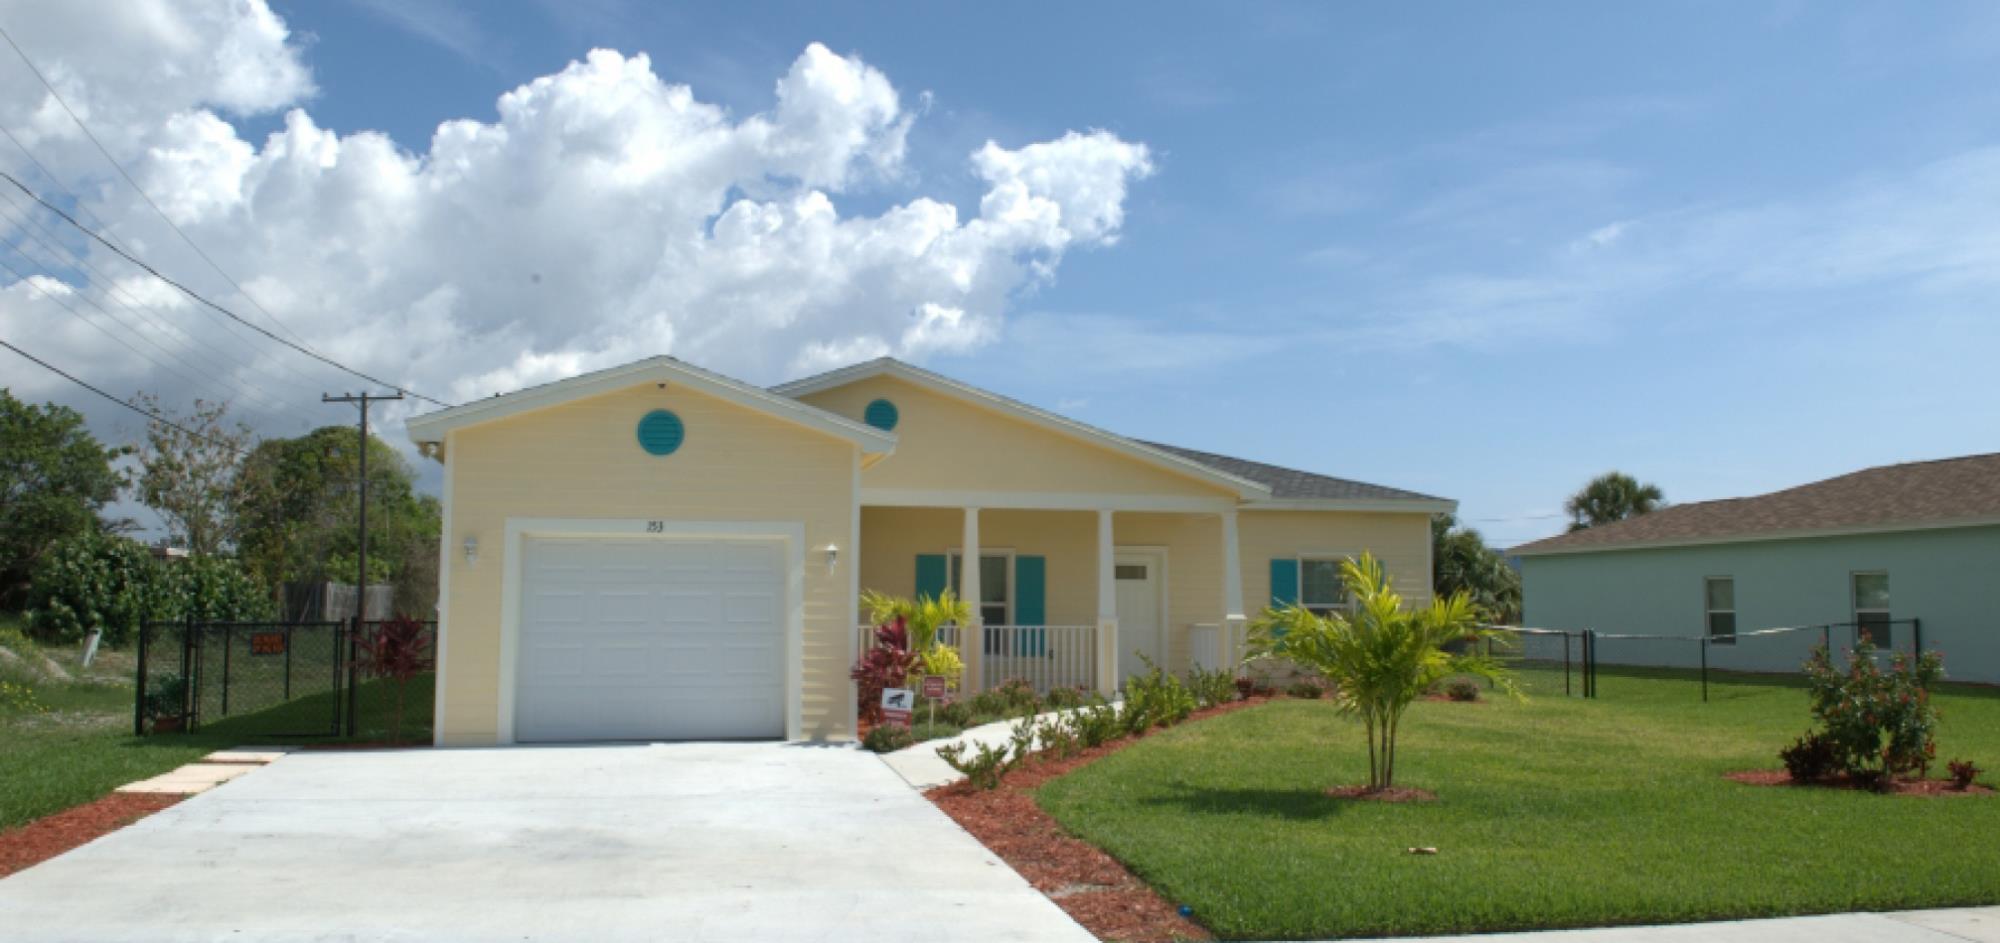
x=656 y=551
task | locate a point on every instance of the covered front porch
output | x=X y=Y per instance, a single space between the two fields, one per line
x=1070 y=592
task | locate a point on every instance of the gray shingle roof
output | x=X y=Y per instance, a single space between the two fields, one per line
x=1918 y=494
x=1291 y=483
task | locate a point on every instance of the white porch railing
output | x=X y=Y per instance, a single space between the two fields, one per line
x=1046 y=656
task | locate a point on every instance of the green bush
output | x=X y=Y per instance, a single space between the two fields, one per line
x=1461 y=689
x=1155 y=699
x=98 y=580
x=983 y=766
x=1305 y=688
x=1879 y=724
x=1018 y=696
x=923 y=730
x=988 y=704
x=1059 y=738
x=1212 y=687
x=1096 y=724
x=1809 y=759
x=888 y=738
x=1064 y=698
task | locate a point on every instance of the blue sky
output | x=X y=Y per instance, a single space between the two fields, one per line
x=1479 y=250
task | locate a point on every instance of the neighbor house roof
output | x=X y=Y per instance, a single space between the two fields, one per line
x=1950 y=492
x=431 y=427
x=1292 y=485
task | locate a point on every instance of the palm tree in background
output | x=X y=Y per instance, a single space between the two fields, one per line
x=1610 y=497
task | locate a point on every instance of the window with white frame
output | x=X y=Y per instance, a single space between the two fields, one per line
x=1871 y=608
x=1321 y=589
x=1720 y=595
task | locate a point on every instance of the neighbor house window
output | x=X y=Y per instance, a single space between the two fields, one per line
x=1721 y=595
x=996 y=593
x=1871 y=608
x=1320 y=588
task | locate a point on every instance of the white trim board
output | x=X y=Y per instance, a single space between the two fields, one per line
x=433 y=427
x=1041 y=500
x=448 y=541
x=793 y=533
x=1063 y=425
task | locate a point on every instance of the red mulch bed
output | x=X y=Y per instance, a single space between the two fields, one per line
x=1900 y=787
x=51 y=835
x=1391 y=794
x=1089 y=885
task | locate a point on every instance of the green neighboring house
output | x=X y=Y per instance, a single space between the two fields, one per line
x=1897 y=553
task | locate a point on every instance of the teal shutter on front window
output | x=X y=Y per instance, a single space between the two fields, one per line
x=1031 y=577
x=931 y=579
x=1284 y=581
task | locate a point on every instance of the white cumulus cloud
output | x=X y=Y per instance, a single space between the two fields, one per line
x=599 y=216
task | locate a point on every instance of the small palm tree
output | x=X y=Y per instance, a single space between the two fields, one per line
x=1610 y=497
x=922 y=617
x=1380 y=657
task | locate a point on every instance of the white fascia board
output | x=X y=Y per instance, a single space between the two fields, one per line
x=432 y=427
x=1761 y=537
x=1244 y=487
x=1376 y=505
x=1043 y=500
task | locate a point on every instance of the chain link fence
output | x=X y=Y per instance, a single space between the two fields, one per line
x=275 y=680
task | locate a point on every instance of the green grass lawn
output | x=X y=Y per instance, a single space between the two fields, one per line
x=1554 y=812
x=71 y=741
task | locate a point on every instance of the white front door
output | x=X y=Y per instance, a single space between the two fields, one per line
x=636 y=638
x=1142 y=580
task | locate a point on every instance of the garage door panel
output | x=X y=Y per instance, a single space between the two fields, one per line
x=625 y=638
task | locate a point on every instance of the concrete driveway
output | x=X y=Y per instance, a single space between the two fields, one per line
x=645 y=842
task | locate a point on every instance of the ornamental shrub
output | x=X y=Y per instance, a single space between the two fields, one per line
x=885 y=665
x=1097 y=724
x=1879 y=724
x=1211 y=687
x=1810 y=759
x=1304 y=688
x=1963 y=772
x=982 y=767
x=888 y=739
x=1462 y=690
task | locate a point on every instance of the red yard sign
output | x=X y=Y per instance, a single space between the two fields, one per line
x=267 y=643
x=935 y=688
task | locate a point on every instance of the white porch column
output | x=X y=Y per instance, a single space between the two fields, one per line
x=971 y=640
x=1107 y=608
x=1233 y=616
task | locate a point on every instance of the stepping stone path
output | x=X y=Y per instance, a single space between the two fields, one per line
x=208 y=772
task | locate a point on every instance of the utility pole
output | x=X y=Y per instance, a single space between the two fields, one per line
x=361 y=584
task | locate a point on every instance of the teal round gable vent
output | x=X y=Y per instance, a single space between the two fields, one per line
x=882 y=415
x=661 y=432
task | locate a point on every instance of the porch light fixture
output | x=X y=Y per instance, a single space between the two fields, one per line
x=832 y=556
x=471 y=550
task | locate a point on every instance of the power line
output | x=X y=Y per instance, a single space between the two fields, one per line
x=115 y=165
x=216 y=361
x=150 y=415
x=191 y=293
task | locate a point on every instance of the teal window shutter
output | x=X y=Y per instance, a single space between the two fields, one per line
x=930 y=575
x=1031 y=577
x=1284 y=581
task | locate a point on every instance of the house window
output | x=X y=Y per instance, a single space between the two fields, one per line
x=1321 y=589
x=1871 y=608
x=997 y=588
x=1721 y=595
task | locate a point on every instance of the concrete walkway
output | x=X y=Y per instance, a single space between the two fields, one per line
x=923 y=769
x=1956 y=925
x=686 y=842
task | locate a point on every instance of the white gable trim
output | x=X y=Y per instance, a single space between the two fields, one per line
x=1063 y=425
x=432 y=427
x=1854 y=530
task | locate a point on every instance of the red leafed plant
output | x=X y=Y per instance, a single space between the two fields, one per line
x=399 y=649
x=887 y=664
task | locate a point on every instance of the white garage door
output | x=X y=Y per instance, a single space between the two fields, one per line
x=650 y=639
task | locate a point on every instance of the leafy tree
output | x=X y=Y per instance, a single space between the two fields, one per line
x=296 y=516
x=97 y=580
x=54 y=478
x=1461 y=562
x=398 y=649
x=189 y=472
x=1612 y=496
x=1380 y=657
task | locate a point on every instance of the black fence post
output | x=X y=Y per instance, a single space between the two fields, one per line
x=1704 y=669
x=189 y=683
x=139 y=684
x=353 y=653
x=1917 y=636
x=1826 y=639
x=288 y=662
x=228 y=642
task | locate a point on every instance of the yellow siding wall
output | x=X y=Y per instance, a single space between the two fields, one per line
x=581 y=460
x=945 y=443
x=1401 y=541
